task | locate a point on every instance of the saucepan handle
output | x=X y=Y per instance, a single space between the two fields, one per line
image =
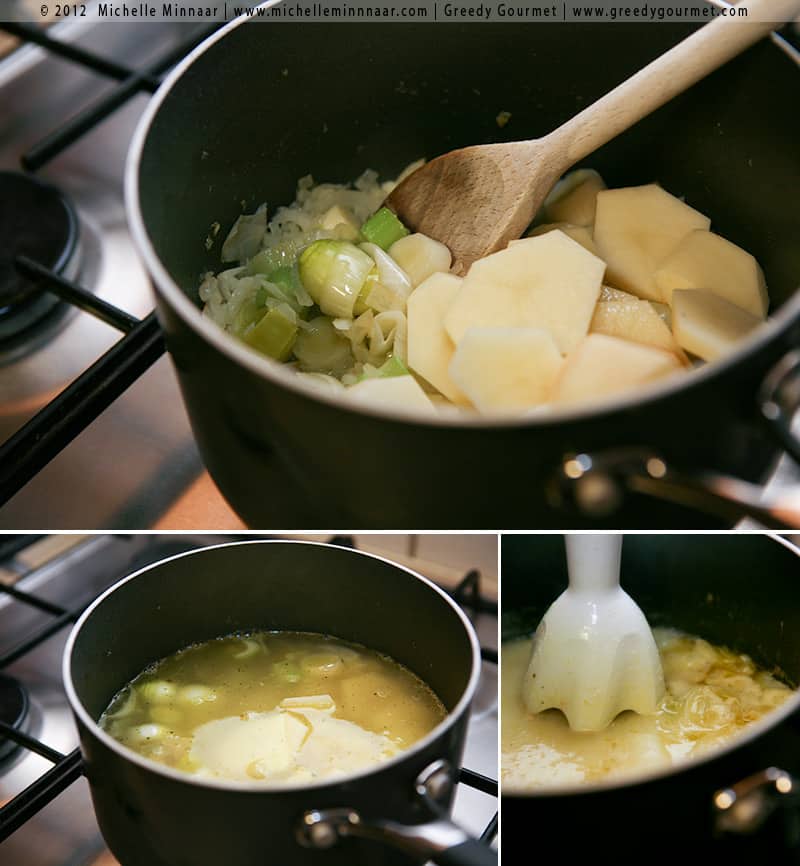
x=779 y=400
x=744 y=807
x=469 y=853
x=438 y=840
x=596 y=485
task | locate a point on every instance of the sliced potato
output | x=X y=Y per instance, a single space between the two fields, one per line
x=506 y=369
x=604 y=365
x=395 y=392
x=608 y=293
x=707 y=325
x=581 y=234
x=548 y=282
x=420 y=256
x=635 y=229
x=634 y=320
x=430 y=348
x=703 y=260
x=663 y=311
x=573 y=198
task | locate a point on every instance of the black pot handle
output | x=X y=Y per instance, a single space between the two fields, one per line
x=438 y=840
x=744 y=807
x=596 y=484
x=469 y=853
x=779 y=400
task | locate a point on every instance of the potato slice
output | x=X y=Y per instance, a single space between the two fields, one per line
x=394 y=392
x=634 y=320
x=608 y=293
x=635 y=229
x=548 y=282
x=663 y=311
x=703 y=260
x=420 y=256
x=573 y=198
x=581 y=234
x=430 y=348
x=604 y=365
x=707 y=325
x=506 y=369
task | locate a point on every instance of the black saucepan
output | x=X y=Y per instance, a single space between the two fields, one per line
x=259 y=105
x=739 y=591
x=394 y=814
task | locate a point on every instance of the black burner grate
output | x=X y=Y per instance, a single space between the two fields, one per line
x=63 y=418
x=67 y=768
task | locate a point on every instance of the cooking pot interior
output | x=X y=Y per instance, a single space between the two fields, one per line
x=269 y=103
x=271 y=585
x=735 y=590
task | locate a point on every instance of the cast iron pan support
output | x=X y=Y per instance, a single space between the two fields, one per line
x=438 y=840
x=596 y=484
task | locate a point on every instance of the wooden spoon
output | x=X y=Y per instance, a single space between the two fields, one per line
x=476 y=199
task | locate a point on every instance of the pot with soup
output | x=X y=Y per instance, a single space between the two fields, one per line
x=416 y=407
x=701 y=777
x=275 y=702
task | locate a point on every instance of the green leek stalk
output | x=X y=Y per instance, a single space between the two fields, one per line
x=383 y=228
x=274 y=335
x=320 y=348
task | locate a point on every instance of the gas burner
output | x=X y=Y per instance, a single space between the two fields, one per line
x=14 y=709
x=39 y=222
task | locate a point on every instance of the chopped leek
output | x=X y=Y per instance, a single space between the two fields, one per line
x=287 y=671
x=166 y=715
x=383 y=228
x=147 y=732
x=321 y=349
x=197 y=694
x=341 y=221
x=250 y=311
x=371 y=283
x=157 y=691
x=286 y=278
x=389 y=290
x=333 y=273
x=391 y=367
x=275 y=333
x=244 y=239
x=250 y=647
x=323 y=664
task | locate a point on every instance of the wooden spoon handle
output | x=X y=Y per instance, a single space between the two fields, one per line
x=672 y=73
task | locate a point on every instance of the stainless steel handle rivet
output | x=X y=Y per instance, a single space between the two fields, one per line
x=323 y=829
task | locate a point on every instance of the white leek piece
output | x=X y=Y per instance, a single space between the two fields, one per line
x=333 y=273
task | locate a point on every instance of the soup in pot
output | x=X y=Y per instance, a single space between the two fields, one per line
x=712 y=694
x=273 y=707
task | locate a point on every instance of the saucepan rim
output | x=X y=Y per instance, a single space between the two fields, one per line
x=279 y=374
x=453 y=716
x=751 y=733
